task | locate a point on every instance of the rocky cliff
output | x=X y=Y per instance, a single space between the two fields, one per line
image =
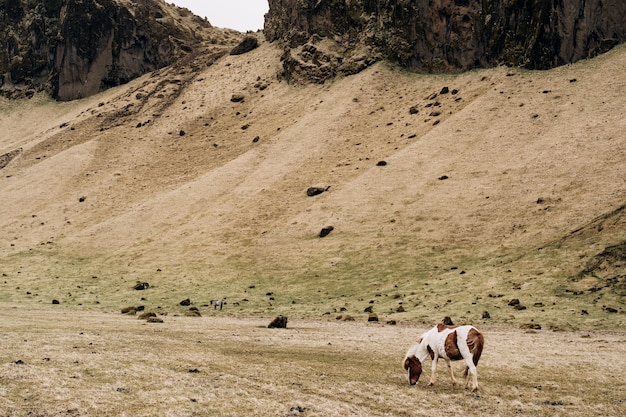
x=441 y=35
x=75 y=48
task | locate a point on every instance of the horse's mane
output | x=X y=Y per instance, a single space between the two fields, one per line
x=412 y=350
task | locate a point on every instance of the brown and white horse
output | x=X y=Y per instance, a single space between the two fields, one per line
x=451 y=344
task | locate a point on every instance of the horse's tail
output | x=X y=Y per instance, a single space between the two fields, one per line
x=480 y=343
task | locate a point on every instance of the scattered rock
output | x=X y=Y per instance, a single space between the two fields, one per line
x=381 y=163
x=531 y=326
x=182 y=133
x=55 y=302
x=326 y=231
x=444 y=90
x=279 y=322
x=313 y=191
x=261 y=85
x=448 y=321
x=146 y=315
x=414 y=110
x=514 y=302
x=443 y=178
x=372 y=317
x=369 y=309
x=141 y=286
x=486 y=315
x=400 y=309
x=193 y=312
x=185 y=302
x=237 y=98
x=154 y=320
x=131 y=310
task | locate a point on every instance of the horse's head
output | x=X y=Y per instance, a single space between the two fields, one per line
x=414 y=368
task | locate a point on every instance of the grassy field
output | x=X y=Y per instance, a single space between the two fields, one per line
x=55 y=361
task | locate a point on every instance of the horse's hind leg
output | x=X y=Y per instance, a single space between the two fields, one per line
x=474 y=378
x=471 y=375
x=468 y=377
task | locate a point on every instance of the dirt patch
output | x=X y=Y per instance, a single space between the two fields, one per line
x=8 y=157
x=609 y=266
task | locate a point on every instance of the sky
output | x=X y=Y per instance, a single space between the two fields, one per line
x=242 y=15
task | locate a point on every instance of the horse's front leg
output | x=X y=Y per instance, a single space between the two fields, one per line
x=451 y=372
x=433 y=377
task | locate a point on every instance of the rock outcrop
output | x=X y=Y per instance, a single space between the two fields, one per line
x=440 y=35
x=75 y=48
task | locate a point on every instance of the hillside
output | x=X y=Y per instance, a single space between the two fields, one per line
x=509 y=186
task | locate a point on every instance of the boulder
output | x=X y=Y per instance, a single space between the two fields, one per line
x=249 y=43
x=279 y=322
x=326 y=231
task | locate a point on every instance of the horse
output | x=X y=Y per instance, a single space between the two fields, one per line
x=450 y=343
x=216 y=304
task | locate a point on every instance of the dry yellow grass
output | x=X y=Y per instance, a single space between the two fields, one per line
x=95 y=364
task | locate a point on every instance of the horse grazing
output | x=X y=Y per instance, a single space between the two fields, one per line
x=450 y=343
x=216 y=304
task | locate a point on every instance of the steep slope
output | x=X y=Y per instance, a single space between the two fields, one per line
x=448 y=194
